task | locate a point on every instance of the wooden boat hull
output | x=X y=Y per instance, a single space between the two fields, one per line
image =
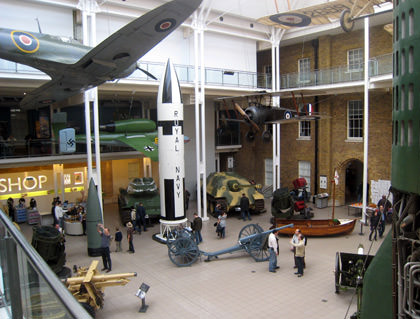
x=317 y=227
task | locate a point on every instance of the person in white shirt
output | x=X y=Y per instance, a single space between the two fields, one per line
x=272 y=246
x=59 y=214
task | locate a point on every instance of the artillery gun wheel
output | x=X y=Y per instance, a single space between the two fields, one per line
x=256 y=246
x=89 y=309
x=250 y=229
x=337 y=273
x=183 y=251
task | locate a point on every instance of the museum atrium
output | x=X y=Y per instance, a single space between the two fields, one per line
x=52 y=84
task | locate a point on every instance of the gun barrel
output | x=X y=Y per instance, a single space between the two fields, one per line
x=245 y=239
x=235 y=187
x=99 y=278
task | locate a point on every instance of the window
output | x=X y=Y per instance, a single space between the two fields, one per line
x=305 y=126
x=304 y=70
x=355 y=120
x=305 y=129
x=268 y=171
x=268 y=69
x=355 y=60
x=305 y=172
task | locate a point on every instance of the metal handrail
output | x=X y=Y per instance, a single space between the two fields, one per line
x=378 y=65
x=64 y=296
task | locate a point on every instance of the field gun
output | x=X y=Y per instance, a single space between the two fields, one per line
x=89 y=284
x=183 y=251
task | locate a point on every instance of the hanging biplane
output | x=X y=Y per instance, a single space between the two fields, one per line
x=346 y=10
x=74 y=68
x=257 y=111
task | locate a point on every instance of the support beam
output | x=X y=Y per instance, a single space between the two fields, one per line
x=366 y=122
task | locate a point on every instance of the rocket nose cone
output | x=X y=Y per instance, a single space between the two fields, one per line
x=170 y=90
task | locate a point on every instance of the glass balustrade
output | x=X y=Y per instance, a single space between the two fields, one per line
x=380 y=65
x=28 y=287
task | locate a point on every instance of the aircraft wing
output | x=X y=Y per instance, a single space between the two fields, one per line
x=54 y=90
x=319 y=14
x=117 y=55
x=122 y=49
x=142 y=143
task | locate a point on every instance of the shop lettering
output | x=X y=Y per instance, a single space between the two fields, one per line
x=27 y=183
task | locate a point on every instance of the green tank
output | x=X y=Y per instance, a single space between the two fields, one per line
x=139 y=190
x=226 y=188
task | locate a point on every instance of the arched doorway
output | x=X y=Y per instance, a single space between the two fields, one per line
x=354 y=177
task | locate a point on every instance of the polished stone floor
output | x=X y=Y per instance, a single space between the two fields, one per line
x=234 y=285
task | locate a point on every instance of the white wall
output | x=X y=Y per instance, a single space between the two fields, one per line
x=227 y=52
x=190 y=150
x=15 y=14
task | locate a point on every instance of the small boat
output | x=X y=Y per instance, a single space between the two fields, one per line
x=317 y=227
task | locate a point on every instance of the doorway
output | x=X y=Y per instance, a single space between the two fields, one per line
x=354 y=177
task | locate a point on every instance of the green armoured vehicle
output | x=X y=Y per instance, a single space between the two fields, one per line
x=139 y=190
x=226 y=188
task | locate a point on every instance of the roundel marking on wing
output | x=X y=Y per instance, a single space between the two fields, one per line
x=287 y=115
x=291 y=19
x=25 y=41
x=165 y=25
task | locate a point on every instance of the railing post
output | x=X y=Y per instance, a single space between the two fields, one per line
x=12 y=278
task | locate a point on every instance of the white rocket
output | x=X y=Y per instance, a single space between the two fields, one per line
x=170 y=114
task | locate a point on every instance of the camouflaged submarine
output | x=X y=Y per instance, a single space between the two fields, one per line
x=226 y=188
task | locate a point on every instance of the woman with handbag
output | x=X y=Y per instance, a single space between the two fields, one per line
x=221 y=225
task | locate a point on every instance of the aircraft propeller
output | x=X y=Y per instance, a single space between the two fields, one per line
x=245 y=116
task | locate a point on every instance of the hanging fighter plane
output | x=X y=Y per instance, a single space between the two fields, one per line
x=259 y=112
x=345 y=10
x=139 y=134
x=74 y=68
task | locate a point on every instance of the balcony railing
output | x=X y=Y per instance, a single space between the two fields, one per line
x=380 y=65
x=28 y=287
x=186 y=74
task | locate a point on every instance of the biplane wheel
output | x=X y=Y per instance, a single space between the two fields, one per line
x=337 y=273
x=346 y=22
x=287 y=115
x=183 y=251
x=266 y=136
x=89 y=309
x=250 y=136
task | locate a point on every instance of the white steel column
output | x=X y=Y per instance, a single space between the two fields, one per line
x=275 y=86
x=89 y=8
x=200 y=112
x=203 y=123
x=87 y=103
x=365 y=121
